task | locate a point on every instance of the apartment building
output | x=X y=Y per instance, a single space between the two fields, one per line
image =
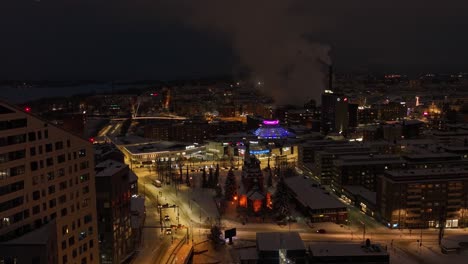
x=362 y=170
x=47 y=192
x=423 y=198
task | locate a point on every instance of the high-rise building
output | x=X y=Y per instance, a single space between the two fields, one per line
x=47 y=193
x=334 y=114
x=113 y=188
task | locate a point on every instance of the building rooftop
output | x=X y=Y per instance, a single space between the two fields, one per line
x=248 y=254
x=421 y=141
x=310 y=195
x=345 y=249
x=131 y=140
x=271 y=130
x=363 y=192
x=460 y=148
x=160 y=146
x=109 y=168
x=273 y=241
x=367 y=160
x=432 y=156
x=132 y=177
x=412 y=122
x=324 y=142
x=427 y=174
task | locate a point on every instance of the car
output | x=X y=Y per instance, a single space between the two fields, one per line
x=282 y=223
x=321 y=231
x=166 y=218
x=157 y=183
x=168 y=231
x=165 y=205
x=160 y=206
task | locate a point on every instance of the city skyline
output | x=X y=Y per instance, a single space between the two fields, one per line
x=233 y=132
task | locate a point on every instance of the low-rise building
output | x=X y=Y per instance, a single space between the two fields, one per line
x=280 y=247
x=315 y=202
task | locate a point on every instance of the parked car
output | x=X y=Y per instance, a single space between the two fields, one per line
x=166 y=218
x=321 y=231
x=168 y=231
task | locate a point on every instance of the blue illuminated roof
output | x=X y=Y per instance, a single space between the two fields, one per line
x=272 y=132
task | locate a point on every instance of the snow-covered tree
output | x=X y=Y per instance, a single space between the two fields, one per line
x=210 y=178
x=270 y=175
x=281 y=199
x=215 y=233
x=230 y=186
x=187 y=179
x=270 y=178
x=219 y=190
x=216 y=176
x=204 y=183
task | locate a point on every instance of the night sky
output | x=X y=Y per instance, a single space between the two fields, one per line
x=154 y=39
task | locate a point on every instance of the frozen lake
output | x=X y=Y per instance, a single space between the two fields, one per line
x=23 y=94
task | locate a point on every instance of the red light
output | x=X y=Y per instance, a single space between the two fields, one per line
x=425 y=113
x=346 y=99
x=27 y=109
x=153 y=94
x=91 y=140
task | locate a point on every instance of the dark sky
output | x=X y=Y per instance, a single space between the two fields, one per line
x=155 y=39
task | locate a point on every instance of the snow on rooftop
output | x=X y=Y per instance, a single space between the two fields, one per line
x=345 y=249
x=363 y=192
x=248 y=254
x=159 y=146
x=109 y=168
x=445 y=173
x=273 y=241
x=311 y=196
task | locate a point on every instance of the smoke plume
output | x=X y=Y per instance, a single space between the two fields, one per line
x=270 y=38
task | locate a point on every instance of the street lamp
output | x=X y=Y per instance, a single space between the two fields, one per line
x=363 y=231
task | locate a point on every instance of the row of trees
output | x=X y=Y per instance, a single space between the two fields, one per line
x=213 y=178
